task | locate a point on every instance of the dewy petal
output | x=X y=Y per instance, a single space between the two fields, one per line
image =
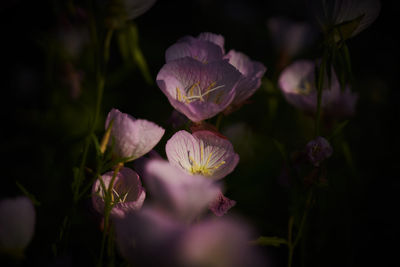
x=252 y=72
x=221 y=205
x=17 y=223
x=133 y=137
x=201 y=50
x=203 y=153
x=184 y=196
x=128 y=192
x=223 y=243
x=200 y=91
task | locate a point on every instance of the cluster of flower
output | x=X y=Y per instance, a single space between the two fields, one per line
x=200 y=81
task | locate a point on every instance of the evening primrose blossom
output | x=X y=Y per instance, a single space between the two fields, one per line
x=127 y=192
x=202 y=153
x=17 y=223
x=297 y=82
x=132 y=138
x=199 y=91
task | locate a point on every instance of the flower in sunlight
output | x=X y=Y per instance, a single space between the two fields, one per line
x=132 y=138
x=171 y=231
x=252 y=72
x=318 y=150
x=345 y=18
x=207 y=47
x=202 y=153
x=297 y=82
x=127 y=192
x=17 y=223
x=200 y=91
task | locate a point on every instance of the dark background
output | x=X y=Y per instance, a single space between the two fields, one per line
x=42 y=128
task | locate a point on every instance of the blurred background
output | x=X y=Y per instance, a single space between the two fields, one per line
x=48 y=98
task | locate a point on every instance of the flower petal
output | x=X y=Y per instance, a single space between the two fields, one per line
x=184 y=196
x=200 y=91
x=133 y=138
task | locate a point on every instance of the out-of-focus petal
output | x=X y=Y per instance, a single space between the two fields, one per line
x=219 y=243
x=221 y=205
x=184 y=196
x=17 y=223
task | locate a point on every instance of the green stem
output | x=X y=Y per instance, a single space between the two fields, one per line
x=320 y=84
x=108 y=203
x=292 y=245
x=219 y=120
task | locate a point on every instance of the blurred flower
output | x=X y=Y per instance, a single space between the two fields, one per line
x=148 y=237
x=166 y=232
x=252 y=72
x=345 y=17
x=123 y=10
x=203 y=153
x=207 y=47
x=133 y=137
x=318 y=150
x=219 y=243
x=183 y=196
x=221 y=205
x=200 y=91
x=289 y=38
x=297 y=82
x=127 y=192
x=17 y=223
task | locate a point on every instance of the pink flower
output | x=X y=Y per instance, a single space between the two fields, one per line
x=252 y=72
x=133 y=137
x=297 y=82
x=221 y=205
x=219 y=243
x=17 y=223
x=202 y=153
x=127 y=193
x=183 y=196
x=198 y=90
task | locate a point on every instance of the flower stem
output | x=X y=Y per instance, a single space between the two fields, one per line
x=320 y=84
x=292 y=244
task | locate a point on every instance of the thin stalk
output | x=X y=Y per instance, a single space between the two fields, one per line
x=292 y=244
x=320 y=84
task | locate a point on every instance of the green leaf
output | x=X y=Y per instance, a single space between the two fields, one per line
x=345 y=30
x=27 y=194
x=136 y=52
x=269 y=241
x=338 y=129
x=281 y=149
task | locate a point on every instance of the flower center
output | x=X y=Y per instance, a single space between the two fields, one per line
x=204 y=167
x=194 y=92
x=304 y=88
